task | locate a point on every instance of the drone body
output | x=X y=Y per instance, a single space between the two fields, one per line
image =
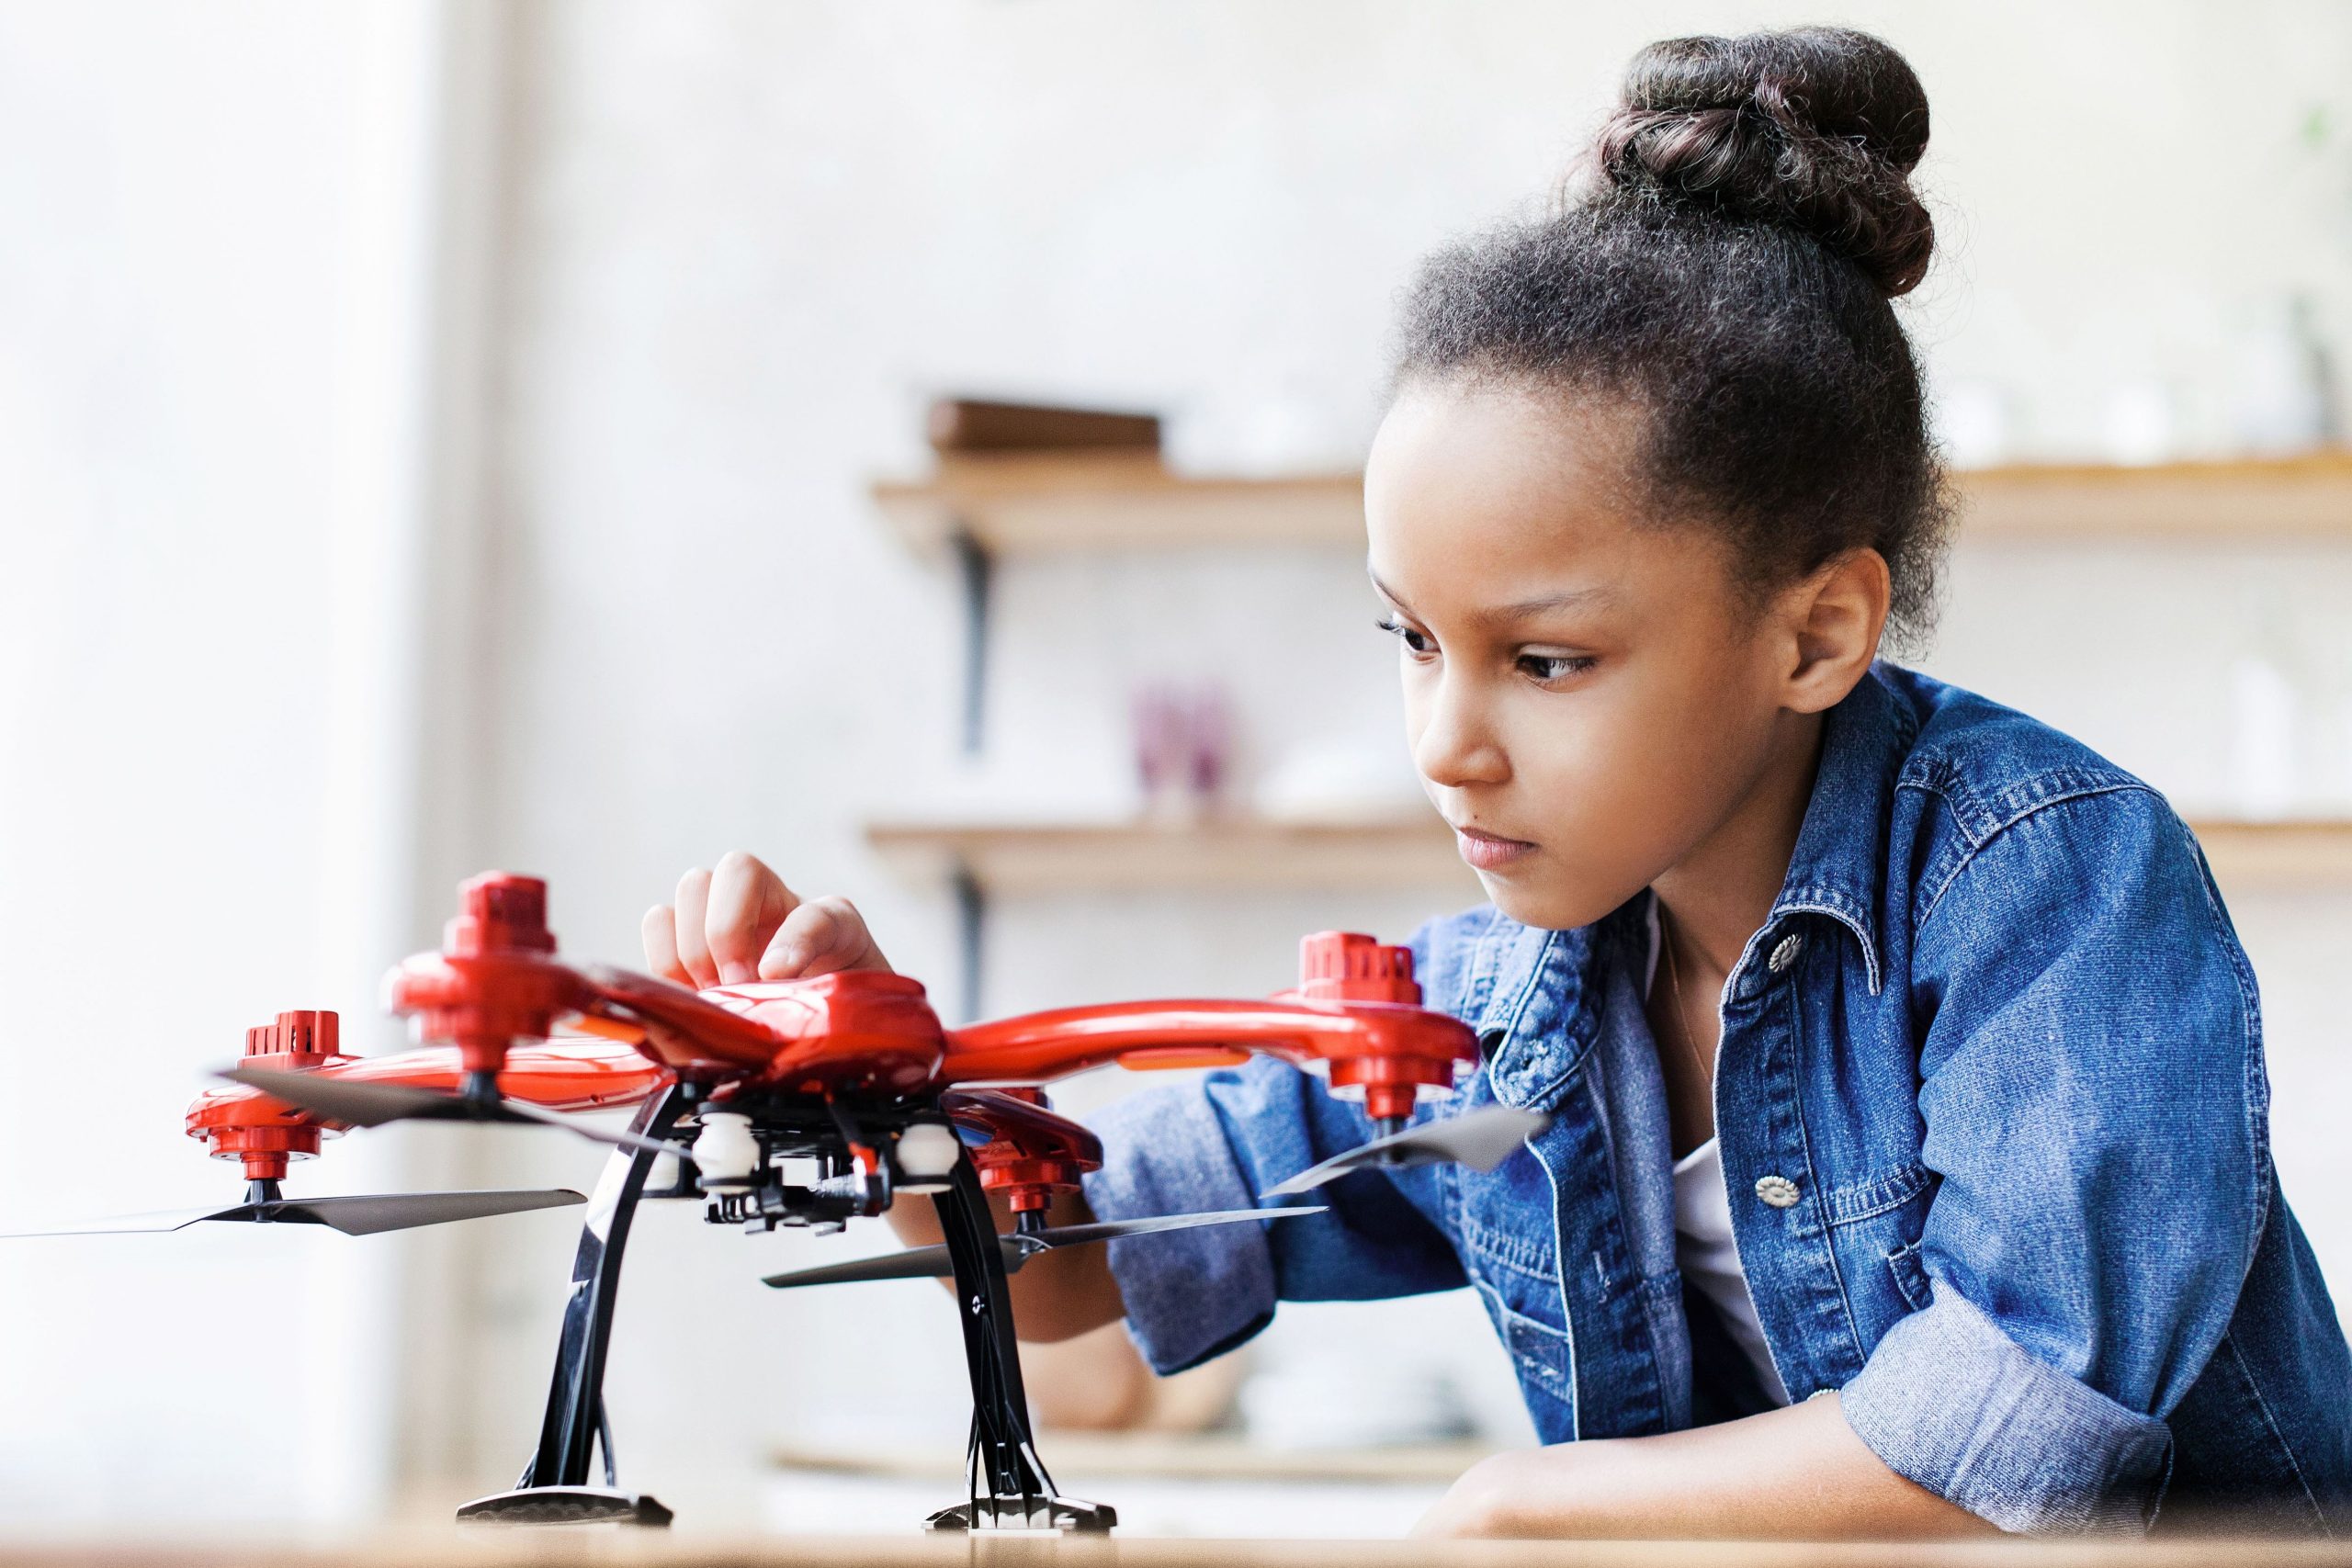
x=851 y=1071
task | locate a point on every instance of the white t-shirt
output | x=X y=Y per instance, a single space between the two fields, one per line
x=1704 y=1247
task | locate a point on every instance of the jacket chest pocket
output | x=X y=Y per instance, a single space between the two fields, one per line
x=1876 y=1227
x=1910 y=1271
x=1544 y=1359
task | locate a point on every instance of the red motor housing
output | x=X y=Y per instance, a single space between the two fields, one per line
x=262 y=1132
x=1031 y=1152
x=1349 y=967
x=495 y=981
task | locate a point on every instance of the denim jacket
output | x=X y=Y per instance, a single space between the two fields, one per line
x=1993 y=1120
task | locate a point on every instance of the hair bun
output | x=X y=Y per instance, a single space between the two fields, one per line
x=1815 y=127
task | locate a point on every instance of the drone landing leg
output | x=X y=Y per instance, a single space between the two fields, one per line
x=555 y=1489
x=1010 y=1488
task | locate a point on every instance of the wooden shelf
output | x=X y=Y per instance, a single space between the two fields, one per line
x=2286 y=498
x=1116 y=856
x=1121 y=856
x=1023 y=502
x=1026 y=503
x=2306 y=856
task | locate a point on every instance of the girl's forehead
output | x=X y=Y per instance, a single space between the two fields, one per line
x=1502 y=496
x=1506 y=506
x=1508 y=451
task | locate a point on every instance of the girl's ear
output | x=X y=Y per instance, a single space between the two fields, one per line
x=1834 y=618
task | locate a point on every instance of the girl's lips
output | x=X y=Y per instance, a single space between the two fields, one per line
x=1484 y=851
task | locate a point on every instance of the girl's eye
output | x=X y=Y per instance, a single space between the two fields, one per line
x=1416 y=643
x=1542 y=666
x=1554 y=666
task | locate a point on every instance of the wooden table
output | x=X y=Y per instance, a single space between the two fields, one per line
x=553 y=1549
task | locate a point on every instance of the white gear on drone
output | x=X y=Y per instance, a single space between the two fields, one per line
x=725 y=1151
x=927 y=1155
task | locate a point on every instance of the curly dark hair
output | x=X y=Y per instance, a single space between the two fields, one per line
x=1728 y=266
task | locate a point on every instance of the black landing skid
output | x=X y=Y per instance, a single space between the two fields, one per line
x=555 y=1488
x=1010 y=1491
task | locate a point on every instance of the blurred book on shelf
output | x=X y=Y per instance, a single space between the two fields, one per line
x=972 y=426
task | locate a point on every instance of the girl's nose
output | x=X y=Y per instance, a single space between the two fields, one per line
x=1457 y=744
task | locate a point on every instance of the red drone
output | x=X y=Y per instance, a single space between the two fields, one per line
x=853 y=1071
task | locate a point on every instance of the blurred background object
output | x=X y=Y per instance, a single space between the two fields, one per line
x=446 y=433
x=1183 y=749
x=977 y=424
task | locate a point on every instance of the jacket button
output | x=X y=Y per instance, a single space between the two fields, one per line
x=1777 y=1191
x=1784 y=954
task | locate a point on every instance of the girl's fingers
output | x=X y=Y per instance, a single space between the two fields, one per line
x=660 y=934
x=821 y=937
x=747 y=904
x=693 y=908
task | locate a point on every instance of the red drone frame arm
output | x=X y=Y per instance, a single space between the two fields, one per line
x=1386 y=1048
x=1356 y=1014
x=560 y=1075
x=1029 y=1152
x=577 y=1074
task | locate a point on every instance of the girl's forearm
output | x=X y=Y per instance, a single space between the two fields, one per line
x=1055 y=1297
x=1797 y=1473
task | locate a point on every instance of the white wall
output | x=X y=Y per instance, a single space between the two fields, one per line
x=231 y=324
x=171 y=268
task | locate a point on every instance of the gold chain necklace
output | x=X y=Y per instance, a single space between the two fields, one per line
x=1674 y=981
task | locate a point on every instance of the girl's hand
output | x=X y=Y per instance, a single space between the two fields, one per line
x=1797 y=1473
x=741 y=923
x=1487 y=1500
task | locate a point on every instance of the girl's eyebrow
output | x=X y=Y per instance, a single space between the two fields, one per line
x=1386 y=591
x=1505 y=615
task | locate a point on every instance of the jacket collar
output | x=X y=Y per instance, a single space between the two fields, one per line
x=1522 y=979
x=1838 y=868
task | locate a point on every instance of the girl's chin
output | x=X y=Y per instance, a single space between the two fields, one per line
x=1546 y=906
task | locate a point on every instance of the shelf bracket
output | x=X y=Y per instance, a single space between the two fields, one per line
x=975 y=576
x=971 y=922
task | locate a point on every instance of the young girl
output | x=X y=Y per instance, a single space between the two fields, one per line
x=1908 y=1170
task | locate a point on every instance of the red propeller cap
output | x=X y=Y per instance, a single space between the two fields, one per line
x=305 y=1033
x=495 y=981
x=1349 y=967
x=499 y=912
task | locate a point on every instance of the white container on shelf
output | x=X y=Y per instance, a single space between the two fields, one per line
x=1339 y=780
x=2282 y=398
x=2264 y=715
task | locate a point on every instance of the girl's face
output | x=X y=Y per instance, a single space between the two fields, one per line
x=1587 y=695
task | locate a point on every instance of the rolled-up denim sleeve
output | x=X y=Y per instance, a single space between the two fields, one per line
x=1216 y=1143
x=2094 y=1105
x=1953 y=1402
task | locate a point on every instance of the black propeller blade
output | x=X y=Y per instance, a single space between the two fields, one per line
x=373 y=1104
x=159 y=1220
x=915 y=1263
x=367 y=1215
x=932 y=1262
x=1480 y=1139
x=404 y=1211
